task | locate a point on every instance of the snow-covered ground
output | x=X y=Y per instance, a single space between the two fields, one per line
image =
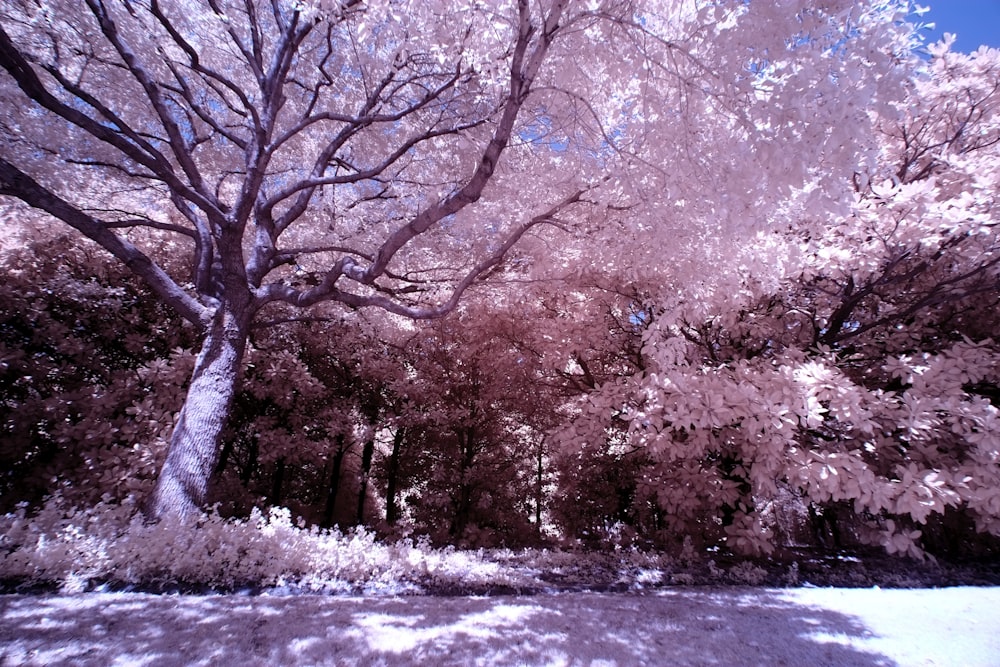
x=671 y=626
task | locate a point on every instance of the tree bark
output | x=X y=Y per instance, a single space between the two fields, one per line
x=392 y=478
x=366 y=467
x=334 y=487
x=194 y=449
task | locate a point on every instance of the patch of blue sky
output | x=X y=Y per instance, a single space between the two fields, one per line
x=540 y=131
x=973 y=22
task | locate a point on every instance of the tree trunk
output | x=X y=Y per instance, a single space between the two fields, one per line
x=539 y=486
x=253 y=458
x=463 y=504
x=227 y=451
x=194 y=449
x=277 y=483
x=334 y=487
x=366 y=467
x=392 y=477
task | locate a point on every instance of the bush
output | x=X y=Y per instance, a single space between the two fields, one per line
x=110 y=544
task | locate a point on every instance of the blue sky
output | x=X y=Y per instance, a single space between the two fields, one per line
x=975 y=22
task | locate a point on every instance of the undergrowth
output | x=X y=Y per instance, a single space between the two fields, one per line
x=110 y=547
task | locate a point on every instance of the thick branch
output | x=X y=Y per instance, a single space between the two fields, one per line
x=522 y=76
x=210 y=76
x=16 y=183
x=328 y=291
x=306 y=188
x=18 y=67
x=179 y=147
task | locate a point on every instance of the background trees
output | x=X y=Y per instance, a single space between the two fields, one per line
x=91 y=372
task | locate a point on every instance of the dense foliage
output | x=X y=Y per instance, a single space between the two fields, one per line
x=760 y=315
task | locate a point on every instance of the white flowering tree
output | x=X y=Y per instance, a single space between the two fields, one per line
x=849 y=361
x=301 y=157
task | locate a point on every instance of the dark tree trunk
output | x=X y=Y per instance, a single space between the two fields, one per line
x=334 y=488
x=366 y=467
x=277 y=482
x=248 y=468
x=194 y=449
x=463 y=504
x=392 y=478
x=823 y=521
x=227 y=451
x=253 y=459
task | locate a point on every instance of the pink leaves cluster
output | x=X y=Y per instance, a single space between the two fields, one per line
x=847 y=361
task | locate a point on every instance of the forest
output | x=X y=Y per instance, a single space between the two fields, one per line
x=667 y=276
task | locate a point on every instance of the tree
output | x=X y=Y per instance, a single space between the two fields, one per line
x=846 y=362
x=479 y=406
x=230 y=147
x=390 y=154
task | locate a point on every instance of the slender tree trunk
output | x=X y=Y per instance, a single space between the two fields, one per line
x=539 y=486
x=253 y=458
x=366 y=467
x=277 y=482
x=463 y=505
x=334 y=488
x=227 y=451
x=392 y=478
x=194 y=450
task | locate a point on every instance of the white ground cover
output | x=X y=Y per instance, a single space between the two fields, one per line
x=672 y=626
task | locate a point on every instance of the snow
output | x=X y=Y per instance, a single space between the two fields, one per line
x=672 y=626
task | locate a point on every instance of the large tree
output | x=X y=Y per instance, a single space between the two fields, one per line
x=390 y=154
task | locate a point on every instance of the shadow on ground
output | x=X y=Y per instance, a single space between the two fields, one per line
x=677 y=627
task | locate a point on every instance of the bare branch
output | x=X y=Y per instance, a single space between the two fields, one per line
x=179 y=146
x=152 y=224
x=522 y=74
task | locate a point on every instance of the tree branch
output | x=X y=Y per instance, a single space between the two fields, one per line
x=522 y=74
x=347 y=266
x=16 y=183
x=139 y=152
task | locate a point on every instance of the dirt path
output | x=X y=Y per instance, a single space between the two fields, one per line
x=697 y=626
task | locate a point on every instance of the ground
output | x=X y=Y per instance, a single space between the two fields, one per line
x=838 y=627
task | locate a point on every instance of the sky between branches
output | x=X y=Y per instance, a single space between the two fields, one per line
x=974 y=22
